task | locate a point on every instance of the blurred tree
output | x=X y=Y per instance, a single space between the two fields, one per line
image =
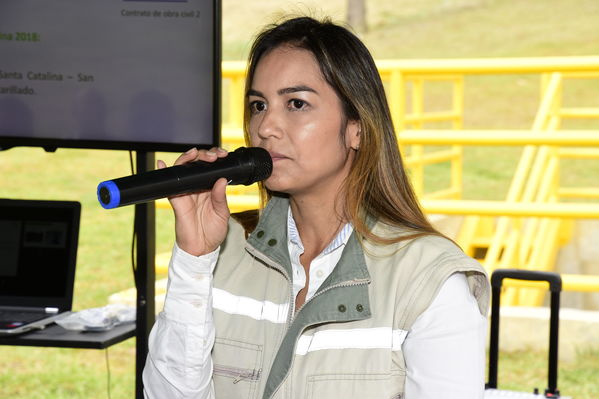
x=356 y=15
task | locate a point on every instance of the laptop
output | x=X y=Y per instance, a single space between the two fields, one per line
x=38 y=254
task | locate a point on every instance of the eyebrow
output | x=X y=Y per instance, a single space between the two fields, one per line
x=286 y=90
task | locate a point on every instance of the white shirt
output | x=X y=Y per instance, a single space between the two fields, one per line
x=321 y=266
x=444 y=350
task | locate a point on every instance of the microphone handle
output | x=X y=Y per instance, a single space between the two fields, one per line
x=174 y=180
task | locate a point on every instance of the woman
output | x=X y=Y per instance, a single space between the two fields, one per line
x=343 y=289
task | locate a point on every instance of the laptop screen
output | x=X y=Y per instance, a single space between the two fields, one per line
x=38 y=251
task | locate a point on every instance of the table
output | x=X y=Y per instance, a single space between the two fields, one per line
x=56 y=336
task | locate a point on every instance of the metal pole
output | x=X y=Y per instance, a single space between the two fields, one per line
x=145 y=228
x=494 y=338
x=553 y=344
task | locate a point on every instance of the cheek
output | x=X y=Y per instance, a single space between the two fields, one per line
x=253 y=140
x=322 y=136
x=253 y=133
x=308 y=132
x=320 y=126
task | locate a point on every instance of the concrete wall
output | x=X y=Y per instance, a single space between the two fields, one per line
x=524 y=328
x=581 y=256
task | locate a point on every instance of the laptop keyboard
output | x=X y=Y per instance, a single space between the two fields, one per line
x=20 y=317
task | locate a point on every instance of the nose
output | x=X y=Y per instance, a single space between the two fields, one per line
x=269 y=124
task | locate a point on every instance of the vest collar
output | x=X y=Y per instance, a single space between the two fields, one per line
x=269 y=238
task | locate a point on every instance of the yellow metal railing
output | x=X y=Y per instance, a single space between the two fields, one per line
x=528 y=227
x=402 y=87
x=532 y=242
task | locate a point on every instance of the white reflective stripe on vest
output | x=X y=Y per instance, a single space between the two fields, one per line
x=359 y=338
x=244 y=306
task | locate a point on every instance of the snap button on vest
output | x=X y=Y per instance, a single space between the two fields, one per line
x=260 y=234
x=342 y=308
x=359 y=307
x=272 y=242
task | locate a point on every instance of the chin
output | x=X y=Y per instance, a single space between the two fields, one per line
x=284 y=185
x=280 y=190
x=275 y=188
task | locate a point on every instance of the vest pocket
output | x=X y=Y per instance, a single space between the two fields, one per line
x=362 y=386
x=236 y=368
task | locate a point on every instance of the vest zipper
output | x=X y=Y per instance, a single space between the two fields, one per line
x=238 y=374
x=349 y=283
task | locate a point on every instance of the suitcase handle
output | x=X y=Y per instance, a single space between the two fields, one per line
x=554 y=279
x=555 y=286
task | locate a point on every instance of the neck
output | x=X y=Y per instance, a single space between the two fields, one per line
x=318 y=220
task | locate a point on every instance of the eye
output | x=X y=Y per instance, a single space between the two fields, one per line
x=257 y=107
x=297 y=104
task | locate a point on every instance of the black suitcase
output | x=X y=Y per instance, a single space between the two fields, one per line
x=555 y=287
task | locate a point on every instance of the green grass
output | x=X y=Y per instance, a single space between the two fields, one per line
x=57 y=373
x=525 y=370
x=406 y=29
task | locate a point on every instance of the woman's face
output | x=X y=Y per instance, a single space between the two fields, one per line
x=298 y=118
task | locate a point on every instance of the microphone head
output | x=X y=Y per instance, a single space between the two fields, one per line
x=258 y=160
x=109 y=194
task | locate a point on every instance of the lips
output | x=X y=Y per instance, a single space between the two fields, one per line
x=276 y=156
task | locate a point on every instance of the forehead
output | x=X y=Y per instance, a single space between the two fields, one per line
x=286 y=66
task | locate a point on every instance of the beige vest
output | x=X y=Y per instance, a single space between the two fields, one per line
x=346 y=341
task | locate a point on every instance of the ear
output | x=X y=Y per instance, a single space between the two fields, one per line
x=352 y=134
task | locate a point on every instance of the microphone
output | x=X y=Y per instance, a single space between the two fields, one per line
x=242 y=166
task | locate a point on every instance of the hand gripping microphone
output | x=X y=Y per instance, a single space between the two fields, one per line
x=242 y=166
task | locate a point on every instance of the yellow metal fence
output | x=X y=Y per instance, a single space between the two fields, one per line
x=527 y=228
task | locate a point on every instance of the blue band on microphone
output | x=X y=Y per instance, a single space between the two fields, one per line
x=113 y=190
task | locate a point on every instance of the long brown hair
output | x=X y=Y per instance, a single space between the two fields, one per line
x=380 y=188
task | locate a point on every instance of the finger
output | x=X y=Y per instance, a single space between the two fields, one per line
x=160 y=164
x=221 y=152
x=187 y=156
x=218 y=196
x=194 y=154
x=206 y=155
x=210 y=155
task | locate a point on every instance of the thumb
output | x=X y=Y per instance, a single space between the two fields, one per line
x=218 y=195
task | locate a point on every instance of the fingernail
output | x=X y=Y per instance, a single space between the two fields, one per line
x=190 y=150
x=210 y=153
x=221 y=149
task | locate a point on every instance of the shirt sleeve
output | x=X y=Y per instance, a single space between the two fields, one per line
x=179 y=364
x=445 y=348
